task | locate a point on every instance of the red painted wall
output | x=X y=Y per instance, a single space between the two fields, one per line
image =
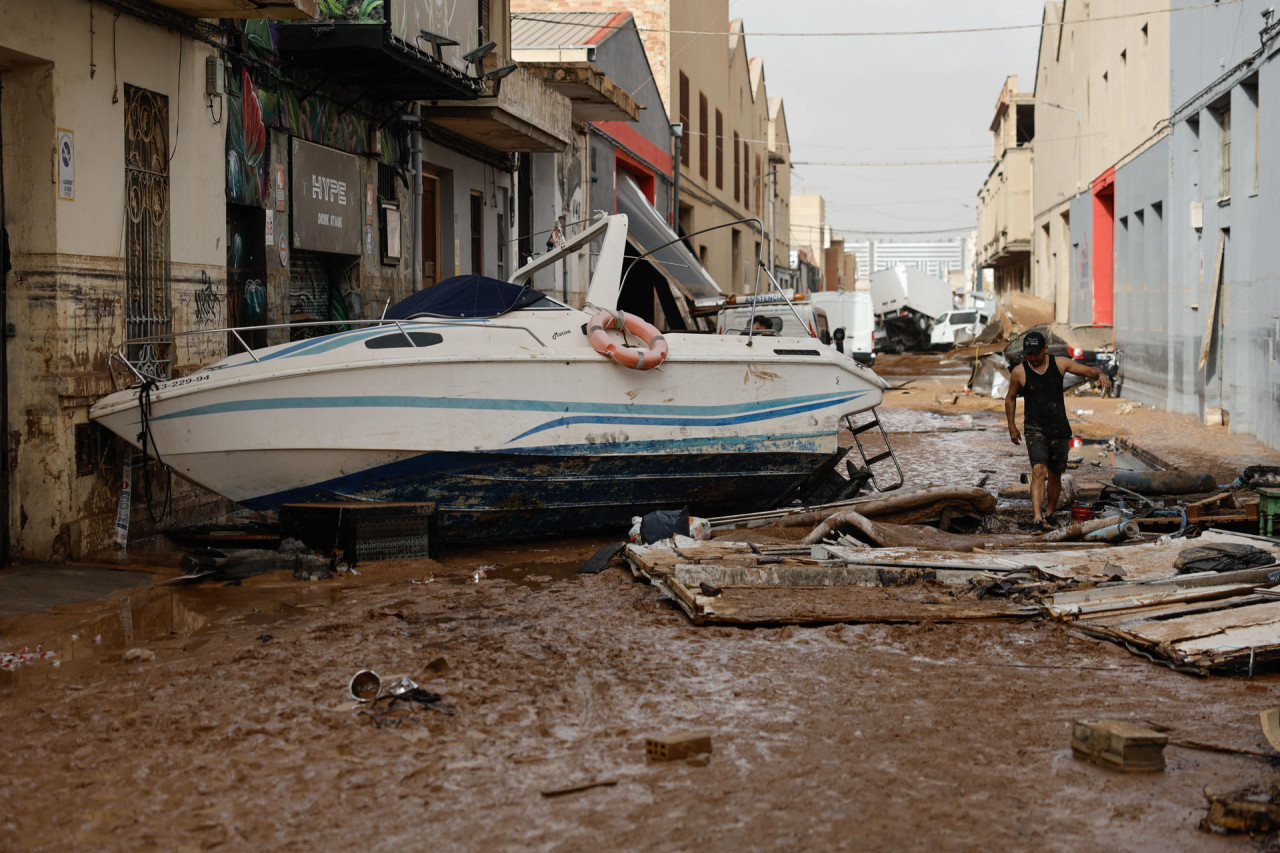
x=1104 y=232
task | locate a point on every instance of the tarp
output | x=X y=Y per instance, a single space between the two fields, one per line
x=464 y=296
x=648 y=229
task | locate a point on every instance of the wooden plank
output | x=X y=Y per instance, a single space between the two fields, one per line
x=1199 y=625
x=1243 y=639
x=1216 y=286
x=853 y=604
x=1173 y=611
x=1135 y=600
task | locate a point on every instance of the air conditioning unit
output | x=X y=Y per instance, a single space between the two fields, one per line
x=1197 y=215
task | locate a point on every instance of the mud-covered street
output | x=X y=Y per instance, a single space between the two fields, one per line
x=232 y=728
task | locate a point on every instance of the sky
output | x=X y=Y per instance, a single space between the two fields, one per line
x=891 y=98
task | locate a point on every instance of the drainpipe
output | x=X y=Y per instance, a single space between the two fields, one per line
x=415 y=166
x=677 y=132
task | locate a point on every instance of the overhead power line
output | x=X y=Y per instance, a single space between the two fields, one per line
x=983 y=161
x=544 y=17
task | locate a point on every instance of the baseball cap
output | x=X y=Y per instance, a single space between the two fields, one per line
x=1033 y=342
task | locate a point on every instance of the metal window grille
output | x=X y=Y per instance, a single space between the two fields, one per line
x=147 y=266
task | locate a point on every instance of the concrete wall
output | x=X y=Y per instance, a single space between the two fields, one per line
x=1218 y=64
x=1141 y=274
x=1080 y=281
x=461 y=177
x=66 y=290
x=1101 y=92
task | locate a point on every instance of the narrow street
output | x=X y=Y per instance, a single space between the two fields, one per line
x=240 y=733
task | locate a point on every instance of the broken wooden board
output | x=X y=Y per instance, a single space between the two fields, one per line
x=1132 y=562
x=1118 y=745
x=785 y=587
x=1239 y=632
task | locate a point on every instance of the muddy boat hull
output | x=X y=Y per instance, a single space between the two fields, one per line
x=513 y=424
x=486 y=496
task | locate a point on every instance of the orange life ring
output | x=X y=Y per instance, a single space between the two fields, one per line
x=637 y=359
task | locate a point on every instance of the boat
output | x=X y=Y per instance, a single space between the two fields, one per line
x=508 y=418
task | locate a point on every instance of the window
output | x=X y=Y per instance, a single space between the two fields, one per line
x=704 y=133
x=1224 y=153
x=737 y=169
x=684 y=118
x=147 y=268
x=746 y=175
x=719 y=150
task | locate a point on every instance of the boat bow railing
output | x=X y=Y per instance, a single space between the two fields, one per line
x=118 y=363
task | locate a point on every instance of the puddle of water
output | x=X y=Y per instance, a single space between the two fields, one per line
x=85 y=636
x=1099 y=452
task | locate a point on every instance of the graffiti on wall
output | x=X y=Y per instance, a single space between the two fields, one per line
x=253 y=106
x=206 y=301
x=356 y=11
x=246 y=143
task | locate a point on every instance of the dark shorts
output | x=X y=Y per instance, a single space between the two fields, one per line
x=1051 y=452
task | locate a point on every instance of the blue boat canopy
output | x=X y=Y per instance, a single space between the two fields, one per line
x=465 y=296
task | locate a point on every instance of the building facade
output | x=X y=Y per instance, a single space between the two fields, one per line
x=1004 y=202
x=1101 y=98
x=621 y=160
x=1221 y=304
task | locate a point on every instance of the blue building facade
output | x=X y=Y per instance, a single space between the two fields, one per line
x=1223 y=293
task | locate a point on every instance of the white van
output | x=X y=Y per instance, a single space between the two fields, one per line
x=850 y=310
x=812 y=322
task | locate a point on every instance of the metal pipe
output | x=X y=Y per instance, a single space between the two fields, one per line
x=677 y=132
x=1115 y=533
x=415 y=165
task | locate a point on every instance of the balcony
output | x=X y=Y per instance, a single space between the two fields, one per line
x=593 y=96
x=525 y=116
x=370 y=56
x=1004 y=210
x=271 y=10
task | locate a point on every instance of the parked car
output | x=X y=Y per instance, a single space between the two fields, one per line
x=964 y=324
x=1088 y=343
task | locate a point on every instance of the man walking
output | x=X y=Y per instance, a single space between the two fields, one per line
x=1038 y=379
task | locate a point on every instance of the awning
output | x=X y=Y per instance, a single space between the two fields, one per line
x=648 y=229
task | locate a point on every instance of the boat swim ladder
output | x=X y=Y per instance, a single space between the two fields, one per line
x=869 y=463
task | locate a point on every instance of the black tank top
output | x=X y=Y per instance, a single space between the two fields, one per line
x=1046 y=410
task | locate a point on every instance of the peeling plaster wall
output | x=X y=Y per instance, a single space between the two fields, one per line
x=66 y=290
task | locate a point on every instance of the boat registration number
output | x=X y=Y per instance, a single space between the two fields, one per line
x=178 y=383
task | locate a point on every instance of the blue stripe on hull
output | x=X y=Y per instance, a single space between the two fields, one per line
x=497 y=496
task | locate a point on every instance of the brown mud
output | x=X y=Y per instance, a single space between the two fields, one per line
x=239 y=735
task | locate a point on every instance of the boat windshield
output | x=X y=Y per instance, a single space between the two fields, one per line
x=469 y=296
